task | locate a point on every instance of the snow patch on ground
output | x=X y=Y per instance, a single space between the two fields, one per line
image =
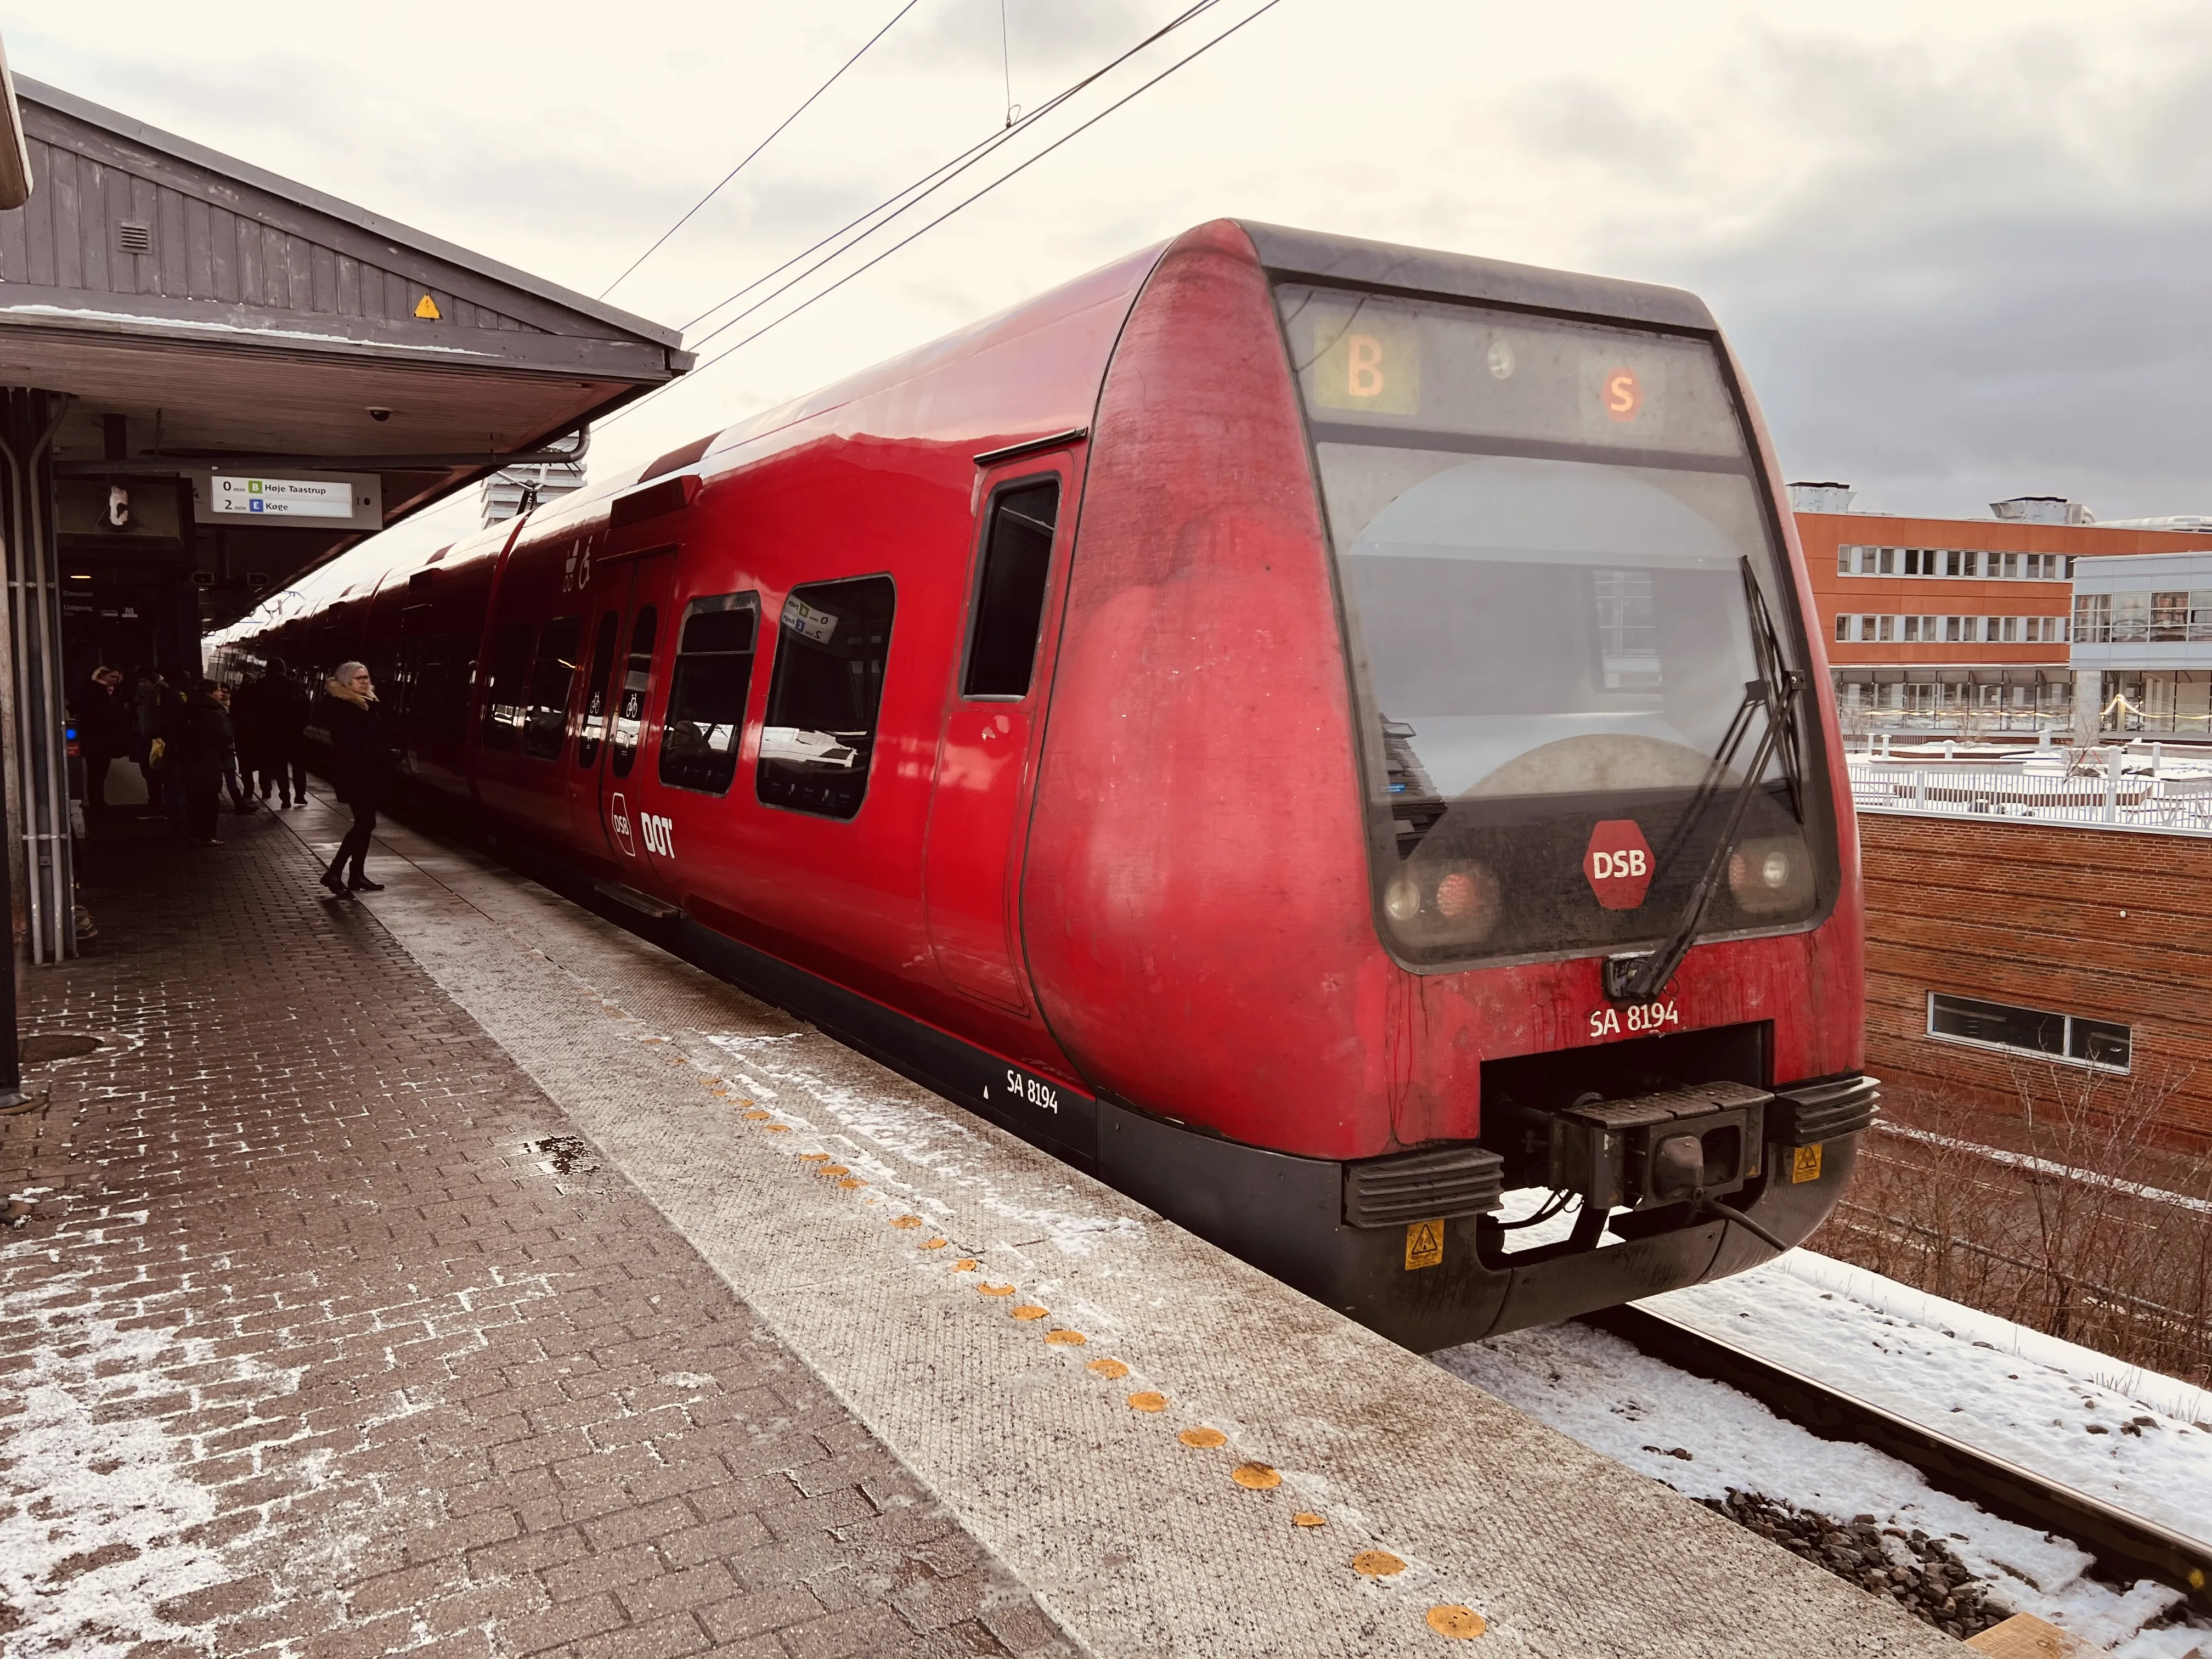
x=92 y=1536
x=2131 y=1438
x=1645 y=1413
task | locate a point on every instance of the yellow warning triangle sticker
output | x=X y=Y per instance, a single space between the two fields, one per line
x=427 y=307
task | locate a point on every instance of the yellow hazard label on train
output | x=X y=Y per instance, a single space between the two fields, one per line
x=1425 y=1244
x=1805 y=1164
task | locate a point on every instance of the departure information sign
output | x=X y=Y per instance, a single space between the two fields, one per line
x=281 y=498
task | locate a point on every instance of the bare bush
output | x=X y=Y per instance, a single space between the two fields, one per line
x=2079 y=1224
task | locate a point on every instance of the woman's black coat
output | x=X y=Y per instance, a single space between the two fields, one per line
x=363 y=761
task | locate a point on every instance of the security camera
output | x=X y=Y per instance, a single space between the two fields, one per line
x=379 y=414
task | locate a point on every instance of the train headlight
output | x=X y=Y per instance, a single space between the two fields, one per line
x=1402 y=899
x=1769 y=876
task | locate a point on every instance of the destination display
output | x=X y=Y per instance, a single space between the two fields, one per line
x=281 y=498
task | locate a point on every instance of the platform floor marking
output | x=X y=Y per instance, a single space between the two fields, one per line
x=1137 y=1545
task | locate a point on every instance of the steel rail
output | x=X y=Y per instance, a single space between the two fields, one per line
x=2125 y=1545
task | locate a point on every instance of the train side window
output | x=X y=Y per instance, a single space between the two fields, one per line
x=510 y=673
x=1002 y=640
x=594 y=728
x=630 y=703
x=707 y=692
x=545 y=726
x=824 y=697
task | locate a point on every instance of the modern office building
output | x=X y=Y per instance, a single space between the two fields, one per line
x=1951 y=614
x=2142 y=627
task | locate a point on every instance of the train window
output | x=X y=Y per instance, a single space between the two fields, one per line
x=1558 y=573
x=707 y=692
x=594 y=728
x=819 y=733
x=1002 y=639
x=503 y=697
x=545 y=723
x=629 y=705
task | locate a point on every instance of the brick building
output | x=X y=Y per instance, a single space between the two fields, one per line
x=1946 y=615
x=2004 y=954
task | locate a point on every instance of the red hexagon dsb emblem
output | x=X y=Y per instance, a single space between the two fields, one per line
x=1619 y=863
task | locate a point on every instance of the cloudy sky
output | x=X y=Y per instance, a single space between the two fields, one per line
x=1965 y=249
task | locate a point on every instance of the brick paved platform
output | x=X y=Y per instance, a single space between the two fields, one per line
x=327 y=1333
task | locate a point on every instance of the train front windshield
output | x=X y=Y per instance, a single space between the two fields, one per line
x=1557 y=569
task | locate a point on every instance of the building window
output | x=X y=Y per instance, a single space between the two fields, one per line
x=1843 y=628
x=1888 y=561
x=545 y=725
x=2130 y=618
x=707 y=692
x=2093 y=618
x=820 y=731
x=2099 y=1042
x=1889 y=628
x=2169 y=616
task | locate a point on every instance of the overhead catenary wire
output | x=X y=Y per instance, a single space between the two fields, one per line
x=898 y=203
x=686 y=215
x=1004 y=178
x=968 y=201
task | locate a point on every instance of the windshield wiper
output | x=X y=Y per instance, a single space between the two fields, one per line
x=1640 y=976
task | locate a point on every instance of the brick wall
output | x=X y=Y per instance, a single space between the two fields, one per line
x=2109 y=924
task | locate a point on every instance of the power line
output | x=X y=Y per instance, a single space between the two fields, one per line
x=942 y=175
x=987 y=189
x=958 y=207
x=757 y=150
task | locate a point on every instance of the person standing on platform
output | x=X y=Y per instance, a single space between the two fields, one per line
x=175 y=730
x=103 y=734
x=280 y=716
x=198 y=741
x=145 y=718
x=241 y=800
x=363 y=765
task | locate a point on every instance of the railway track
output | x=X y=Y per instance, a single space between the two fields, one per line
x=2125 y=1546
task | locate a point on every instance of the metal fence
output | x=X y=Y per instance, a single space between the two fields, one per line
x=2130 y=800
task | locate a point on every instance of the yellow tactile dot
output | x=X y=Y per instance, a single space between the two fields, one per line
x=1376 y=1564
x=744 y=1103
x=1109 y=1368
x=994 y=1290
x=1256 y=1477
x=1066 y=1339
x=1203 y=1438
x=1029 y=1310
x=905 y=1222
x=833 y=1169
x=814 y=1158
x=852 y=1180
x=1148 y=1400
x=779 y=1129
x=934 y=1244
x=1308 y=1518
x=758 y=1116
x=966 y=1264
x=1453 y=1621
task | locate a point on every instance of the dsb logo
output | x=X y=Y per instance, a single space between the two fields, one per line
x=1618 y=864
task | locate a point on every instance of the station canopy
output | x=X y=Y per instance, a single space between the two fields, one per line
x=204 y=319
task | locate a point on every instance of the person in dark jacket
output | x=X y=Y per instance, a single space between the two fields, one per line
x=271 y=714
x=197 y=740
x=104 y=731
x=174 y=729
x=363 y=764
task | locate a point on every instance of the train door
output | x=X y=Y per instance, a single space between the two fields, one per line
x=984 y=745
x=611 y=779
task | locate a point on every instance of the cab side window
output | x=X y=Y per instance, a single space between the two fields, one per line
x=706 y=694
x=546 y=719
x=820 y=731
x=1010 y=590
x=503 y=697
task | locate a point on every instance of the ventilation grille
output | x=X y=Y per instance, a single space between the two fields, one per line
x=1393 y=1192
x=1806 y=1113
x=669 y=495
x=134 y=239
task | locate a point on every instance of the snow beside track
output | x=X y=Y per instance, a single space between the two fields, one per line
x=1646 y=1414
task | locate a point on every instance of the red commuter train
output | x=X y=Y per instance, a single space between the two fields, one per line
x=1323 y=735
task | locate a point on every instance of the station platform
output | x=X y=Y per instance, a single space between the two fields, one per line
x=450 y=1271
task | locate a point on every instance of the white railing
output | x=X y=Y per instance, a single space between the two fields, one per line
x=2126 y=800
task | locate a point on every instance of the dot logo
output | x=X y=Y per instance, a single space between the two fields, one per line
x=1618 y=864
